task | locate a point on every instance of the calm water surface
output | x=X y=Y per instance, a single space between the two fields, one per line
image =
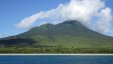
x=56 y=59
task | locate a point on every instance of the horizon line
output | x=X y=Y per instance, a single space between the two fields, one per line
x=46 y=54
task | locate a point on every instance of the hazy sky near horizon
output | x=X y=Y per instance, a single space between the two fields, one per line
x=17 y=16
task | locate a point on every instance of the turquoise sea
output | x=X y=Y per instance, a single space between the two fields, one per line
x=55 y=59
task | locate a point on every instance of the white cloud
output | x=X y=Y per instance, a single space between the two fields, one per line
x=105 y=21
x=83 y=11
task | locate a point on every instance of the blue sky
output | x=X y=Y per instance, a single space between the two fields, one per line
x=13 y=11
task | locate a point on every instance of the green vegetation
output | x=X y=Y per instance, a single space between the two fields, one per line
x=66 y=37
x=55 y=50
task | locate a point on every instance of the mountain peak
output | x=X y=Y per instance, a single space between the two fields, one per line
x=69 y=33
x=71 y=22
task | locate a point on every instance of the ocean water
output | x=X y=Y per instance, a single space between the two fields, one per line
x=56 y=59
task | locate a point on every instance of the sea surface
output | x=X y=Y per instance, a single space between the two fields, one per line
x=55 y=59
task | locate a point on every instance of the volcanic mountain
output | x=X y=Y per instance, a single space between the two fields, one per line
x=66 y=34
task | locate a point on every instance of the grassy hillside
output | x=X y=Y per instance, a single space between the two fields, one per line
x=66 y=35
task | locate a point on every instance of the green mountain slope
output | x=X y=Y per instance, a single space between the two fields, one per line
x=67 y=34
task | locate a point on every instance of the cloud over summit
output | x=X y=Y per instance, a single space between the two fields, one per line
x=84 y=11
